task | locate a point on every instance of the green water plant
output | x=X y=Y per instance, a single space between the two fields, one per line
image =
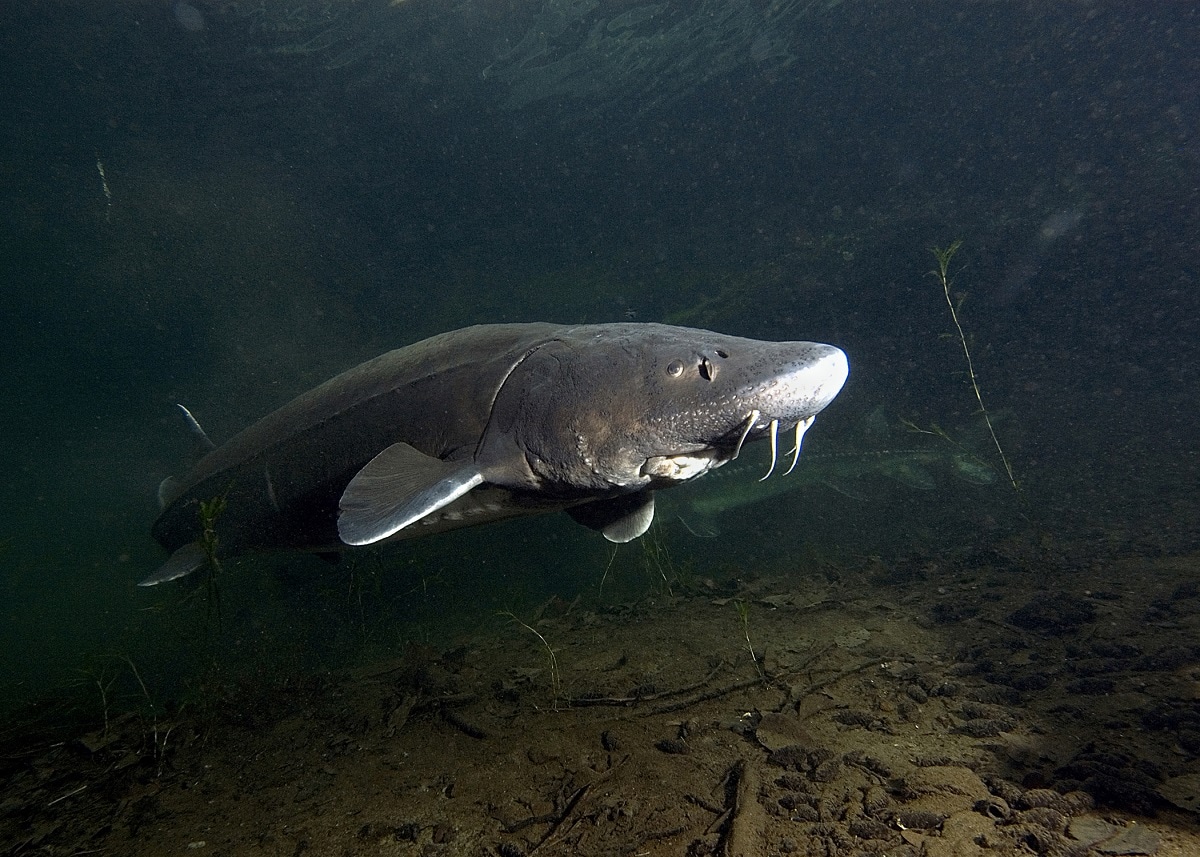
x=607 y=567
x=658 y=563
x=743 y=611
x=210 y=511
x=944 y=255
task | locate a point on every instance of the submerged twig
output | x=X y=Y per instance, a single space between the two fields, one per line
x=67 y=795
x=645 y=697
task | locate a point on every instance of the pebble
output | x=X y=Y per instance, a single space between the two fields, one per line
x=1108 y=838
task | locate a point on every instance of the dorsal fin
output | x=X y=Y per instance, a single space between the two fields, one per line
x=169 y=488
x=202 y=446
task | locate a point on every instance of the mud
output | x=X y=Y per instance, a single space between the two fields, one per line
x=997 y=704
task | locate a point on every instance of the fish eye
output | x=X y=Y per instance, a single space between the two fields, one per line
x=674 y=368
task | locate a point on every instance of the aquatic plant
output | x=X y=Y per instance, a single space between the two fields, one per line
x=658 y=564
x=103 y=679
x=743 y=611
x=657 y=561
x=210 y=511
x=551 y=658
x=128 y=714
x=943 y=256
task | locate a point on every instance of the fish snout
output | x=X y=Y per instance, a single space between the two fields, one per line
x=807 y=385
x=834 y=366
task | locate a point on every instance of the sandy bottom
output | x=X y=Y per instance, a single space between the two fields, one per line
x=993 y=704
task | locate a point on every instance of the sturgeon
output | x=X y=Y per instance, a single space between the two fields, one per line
x=493 y=422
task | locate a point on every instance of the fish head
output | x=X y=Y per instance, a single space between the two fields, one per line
x=627 y=406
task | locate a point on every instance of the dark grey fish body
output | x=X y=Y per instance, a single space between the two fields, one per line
x=282 y=477
x=492 y=422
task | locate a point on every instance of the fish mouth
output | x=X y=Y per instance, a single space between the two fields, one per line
x=684 y=466
x=754 y=421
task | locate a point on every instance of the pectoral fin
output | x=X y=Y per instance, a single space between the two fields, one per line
x=396 y=488
x=621 y=519
x=184 y=561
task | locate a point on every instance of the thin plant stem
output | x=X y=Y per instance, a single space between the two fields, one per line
x=943 y=256
x=743 y=610
x=551 y=657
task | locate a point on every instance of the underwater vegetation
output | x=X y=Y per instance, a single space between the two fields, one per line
x=944 y=255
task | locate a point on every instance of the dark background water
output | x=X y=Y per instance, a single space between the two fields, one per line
x=294 y=187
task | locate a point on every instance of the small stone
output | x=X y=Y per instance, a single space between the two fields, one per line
x=1182 y=791
x=1107 y=838
x=776 y=731
x=1090 y=830
x=1055 y=614
x=1135 y=839
x=917 y=819
x=827 y=772
x=673 y=746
